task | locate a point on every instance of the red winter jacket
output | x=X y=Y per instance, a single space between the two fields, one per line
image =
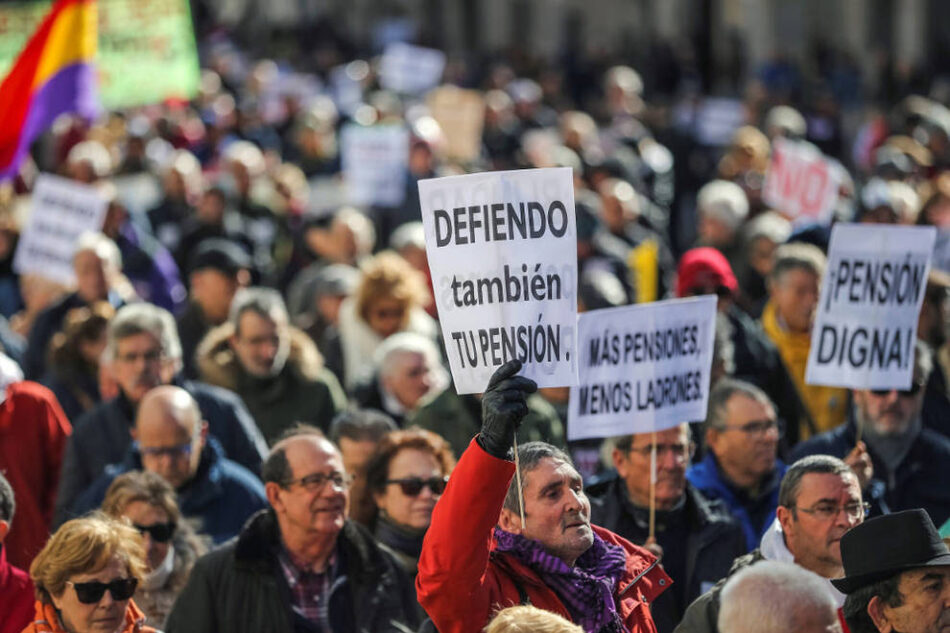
x=16 y=596
x=33 y=434
x=462 y=583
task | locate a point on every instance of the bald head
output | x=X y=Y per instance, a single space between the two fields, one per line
x=170 y=434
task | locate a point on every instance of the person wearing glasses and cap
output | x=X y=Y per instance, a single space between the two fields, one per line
x=85 y=577
x=171 y=545
x=897 y=575
x=696 y=538
x=300 y=565
x=909 y=464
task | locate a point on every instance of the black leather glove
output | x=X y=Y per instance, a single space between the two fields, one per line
x=503 y=408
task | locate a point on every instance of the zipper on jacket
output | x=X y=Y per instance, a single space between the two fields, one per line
x=638 y=577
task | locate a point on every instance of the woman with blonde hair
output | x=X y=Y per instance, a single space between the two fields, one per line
x=171 y=546
x=528 y=619
x=85 y=577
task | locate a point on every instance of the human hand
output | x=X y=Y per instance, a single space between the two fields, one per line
x=503 y=408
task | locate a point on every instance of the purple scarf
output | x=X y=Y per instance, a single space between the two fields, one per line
x=587 y=589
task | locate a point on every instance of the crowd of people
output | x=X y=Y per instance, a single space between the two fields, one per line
x=240 y=418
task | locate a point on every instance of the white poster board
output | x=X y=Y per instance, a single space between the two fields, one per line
x=461 y=115
x=801 y=182
x=874 y=285
x=502 y=249
x=62 y=210
x=642 y=368
x=375 y=161
x=409 y=69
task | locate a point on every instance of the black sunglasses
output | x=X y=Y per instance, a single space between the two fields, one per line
x=160 y=532
x=92 y=592
x=412 y=486
x=913 y=391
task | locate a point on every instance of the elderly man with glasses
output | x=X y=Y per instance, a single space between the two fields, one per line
x=906 y=466
x=741 y=467
x=299 y=565
x=697 y=539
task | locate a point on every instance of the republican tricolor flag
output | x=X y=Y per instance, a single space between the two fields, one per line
x=54 y=74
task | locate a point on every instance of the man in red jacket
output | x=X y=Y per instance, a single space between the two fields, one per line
x=16 y=590
x=478 y=557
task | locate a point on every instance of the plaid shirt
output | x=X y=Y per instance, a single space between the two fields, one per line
x=309 y=590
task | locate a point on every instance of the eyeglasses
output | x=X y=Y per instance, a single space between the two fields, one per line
x=906 y=393
x=828 y=511
x=682 y=452
x=92 y=592
x=412 y=486
x=160 y=532
x=181 y=450
x=150 y=356
x=317 y=481
x=757 y=428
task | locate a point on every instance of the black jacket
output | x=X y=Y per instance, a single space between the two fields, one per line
x=702 y=616
x=241 y=588
x=919 y=482
x=713 y=541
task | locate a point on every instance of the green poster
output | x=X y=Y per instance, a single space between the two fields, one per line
x=146 y=48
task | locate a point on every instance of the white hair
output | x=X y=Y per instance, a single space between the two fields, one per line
x=773 y=597
x=389 y=351
x=409 y=234
x=724 y=201
x=770 y=225
x=101 y=246
x=93 y=152
x=786 y=119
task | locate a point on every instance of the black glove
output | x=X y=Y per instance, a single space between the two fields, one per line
x=503 y=408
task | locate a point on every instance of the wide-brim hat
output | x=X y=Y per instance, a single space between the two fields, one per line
x=887 y=545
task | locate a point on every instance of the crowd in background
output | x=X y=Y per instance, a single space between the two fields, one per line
x=206 y=326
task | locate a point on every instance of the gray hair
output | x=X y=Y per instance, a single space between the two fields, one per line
x=773 y=597
x=7 y=501
x=360 y=425
x=725 y=201
x=101 y=246
x=798 y=256
x=817 y=464
x=392 y=348
x=529 y=456
x=923 y=361
x=769 y=225
x=855 y=606
x=144 y=318
x=266 y=302
x=723 y=392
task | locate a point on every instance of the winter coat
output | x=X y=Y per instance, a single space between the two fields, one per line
x=714 y=540
x=462 y=583
x=710 y=481
x=304 y=391
x=46 y=620
x=458 y=419
x=240 y=587
x=221 y=495
x=828 y=406
x=102 y=438
x=33 y=434
x=16 y=596
x=703 y=614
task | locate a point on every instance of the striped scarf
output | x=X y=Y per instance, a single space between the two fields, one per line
x=586 y=589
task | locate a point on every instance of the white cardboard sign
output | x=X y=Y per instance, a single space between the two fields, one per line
x=62 y=210
x=502 y=249
x=874 y=285
x=410 y=69
x=642 y=368
x=375 y=161
x=801 y=182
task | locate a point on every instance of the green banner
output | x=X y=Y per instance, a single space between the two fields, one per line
x=146 y=48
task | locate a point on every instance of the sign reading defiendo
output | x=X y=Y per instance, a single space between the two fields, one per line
x=642 y=368
x=502 y=249
x=874 y=285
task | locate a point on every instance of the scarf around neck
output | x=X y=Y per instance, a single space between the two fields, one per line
x=586 y=589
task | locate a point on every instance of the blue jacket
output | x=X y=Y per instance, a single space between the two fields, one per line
x=708 y=478
x=221 y=495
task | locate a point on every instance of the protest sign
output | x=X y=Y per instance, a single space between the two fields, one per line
x=461 y=115
x=502 y=249
x=62 y=211
x=410 y=69
x=801 y=182
x=375 y=161
x=873 y=287
x=717 y=120
x=642 y=368
x=146 y=49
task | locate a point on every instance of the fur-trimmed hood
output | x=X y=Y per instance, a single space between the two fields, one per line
x=219 y=365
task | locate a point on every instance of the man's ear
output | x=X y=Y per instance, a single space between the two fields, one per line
x=784 y=516
x=880 y=619
x=712 y=438
x=4 y=530
x=616 y=457
x=509 y=521
x=272 y=490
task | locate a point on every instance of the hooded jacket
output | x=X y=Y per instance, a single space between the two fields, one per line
x=462 y=582
x=303 y=391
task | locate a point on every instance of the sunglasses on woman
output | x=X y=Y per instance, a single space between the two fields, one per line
x=92 y=592
x=160 y=532
x=412 y=486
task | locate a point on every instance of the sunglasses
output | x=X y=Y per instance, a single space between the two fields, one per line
x=92 y=592
x=160 y=532
x=913 y=391
x=412 y=486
